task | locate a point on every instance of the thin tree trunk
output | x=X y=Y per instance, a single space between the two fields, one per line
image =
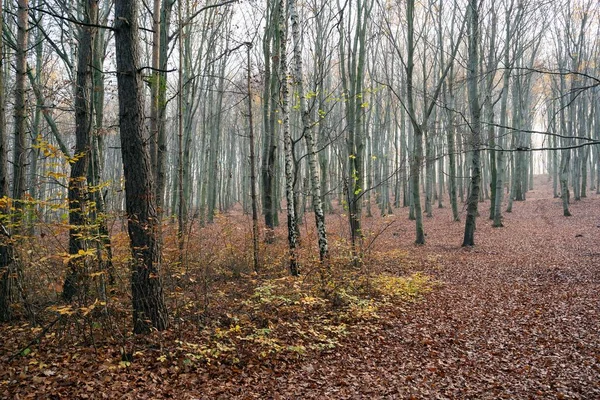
x=417 y=157
x=104 y=248
x=287 y=140
x=450 y=130
x=6 y=247
x=180 y=118
x=270 y=93
x=20 y=110
x=36 y=130
x=75 y=282
x=252 y=169
x=308 y=136
x=472 y=203
x=155 y=87
x=500 y=161
x=159 y=170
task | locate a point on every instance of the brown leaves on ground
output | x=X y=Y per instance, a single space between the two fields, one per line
x=517 y=316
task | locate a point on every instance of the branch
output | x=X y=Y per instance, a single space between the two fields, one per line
x=36 y=339
x=81 y=23
x=49 y=120
x=527 y=149
x=194 y=15
x=71 y=20
x=559 y=73
x=511 y=128
x=157 y=69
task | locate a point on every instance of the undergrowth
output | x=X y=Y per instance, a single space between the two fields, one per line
x=221 y=311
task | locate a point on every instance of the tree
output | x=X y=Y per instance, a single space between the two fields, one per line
x=149 y=310
x=271 y=48
x=308 y=136
x=498 y=193
x=252 y=160
x=77 y=190
x=6 y=247
x=161 y=104
x=287 y=139
x=20 y=108
x=475 y=126
x=352 y=67
x=421 y=124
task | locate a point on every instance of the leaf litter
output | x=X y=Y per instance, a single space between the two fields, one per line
x=517 y=316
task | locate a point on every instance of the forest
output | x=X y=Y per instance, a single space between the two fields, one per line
x=205 y=199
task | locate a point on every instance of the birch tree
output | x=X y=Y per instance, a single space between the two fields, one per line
x=287 y=139
x=307 y=125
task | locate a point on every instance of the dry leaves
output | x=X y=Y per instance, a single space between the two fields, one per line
x=518 y=316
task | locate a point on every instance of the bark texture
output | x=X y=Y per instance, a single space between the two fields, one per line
x=20 y=107
x=287 y=142
x=149 y=310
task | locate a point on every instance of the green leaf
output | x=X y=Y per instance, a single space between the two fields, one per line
x=26 y=352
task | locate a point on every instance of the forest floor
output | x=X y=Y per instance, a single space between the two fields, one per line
x=516 y=317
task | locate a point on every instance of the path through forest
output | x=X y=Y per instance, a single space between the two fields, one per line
x=518 y=316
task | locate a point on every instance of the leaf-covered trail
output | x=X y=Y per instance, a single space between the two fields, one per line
x=518 y=316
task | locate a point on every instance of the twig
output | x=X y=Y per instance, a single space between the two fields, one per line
x=36 y=339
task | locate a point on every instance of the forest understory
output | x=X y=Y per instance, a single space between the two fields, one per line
x=516 y=317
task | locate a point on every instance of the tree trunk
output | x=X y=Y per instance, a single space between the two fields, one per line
x=103 y=244
x=155 y=87
x=417 y=157
x=352 y=64
x=308 y=136
x=149 y=310
x=429 y=174
x=450 y=137
x=77 y=192
x=6 y=247
x=36 y=133
x=564 y=181
x=287 y=140
x=159 y=170
x=252 y=170
x=491 y=65
x=20 y=110
x=270 y=93
x=472 y=203
x=501 y=166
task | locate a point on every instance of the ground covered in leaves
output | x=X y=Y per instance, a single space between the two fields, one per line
x=517 y=316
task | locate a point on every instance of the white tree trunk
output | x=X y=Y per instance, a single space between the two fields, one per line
x=315 y=180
